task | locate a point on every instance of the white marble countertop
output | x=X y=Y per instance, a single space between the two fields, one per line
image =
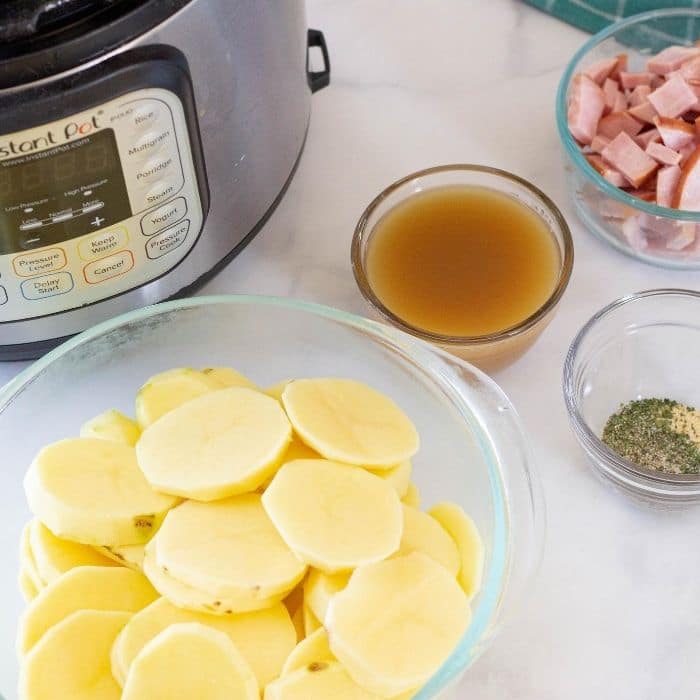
x=616 y=613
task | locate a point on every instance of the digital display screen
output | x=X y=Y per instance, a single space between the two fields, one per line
x=60 y=193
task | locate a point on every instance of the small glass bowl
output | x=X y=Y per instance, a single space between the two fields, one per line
x=638 y=228
x=645 y=345
x=496 y=350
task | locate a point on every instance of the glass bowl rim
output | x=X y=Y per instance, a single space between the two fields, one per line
x=581 y=427
x=574 y=150
x=565 y=268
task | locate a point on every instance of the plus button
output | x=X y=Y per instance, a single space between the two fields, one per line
x=97 y=221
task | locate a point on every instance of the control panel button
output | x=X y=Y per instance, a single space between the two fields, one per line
x=168 y=240
x=147 y=115
x=167 y=215
x=162 y=165
x=42 y=261
x=109 y=267
x=151 y=142
x=47 y=286
x=162 y=190
x=102 y=243
x=3 y=296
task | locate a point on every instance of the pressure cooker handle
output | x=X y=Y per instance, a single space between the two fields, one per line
x=318 y=79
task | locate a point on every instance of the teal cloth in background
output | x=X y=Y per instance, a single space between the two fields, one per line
x=594 y=15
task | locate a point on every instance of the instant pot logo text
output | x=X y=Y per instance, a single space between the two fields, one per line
x=52 y=137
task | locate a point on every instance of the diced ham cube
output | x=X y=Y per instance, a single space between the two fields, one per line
x=633 y=234
x=615 y=122
x=666 y=183
x=623 y=154
x=621 y=66
x=683 y=237
x=647 y=137
x=611 y=90
x=697 y=125
x=687 y=194
x=586 y=104
x=610 y=174
x=600 y=70
x=675 y=133
x=639 y=95
x=599 y=143
x=690 y=70
x=687 y=151
x=673 y=98
x=647 y=195
x=671 y=58
x=620 y=102
x=663 y=154
x=645 y=112
x=632 y=80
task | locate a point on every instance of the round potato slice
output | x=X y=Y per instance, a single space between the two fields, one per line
x=225 y=443
x=412 y=497
x=264 y=638
x=225 y=378
x=397 y=622
x=422 y=533
x=320 y=587
x=166 y=391
x=311 y=623
x=399 y=476
x=130 y=555
x=228 y=548
x=334 y=516
x=72 y=659
x=54 y=556
x=84 y=588
x=348 y=421
x=27 y=561
x=189 y=661
x=112 y=425
x=312 y=650
x=26 y=586
x=469 y=544
x=92 y=491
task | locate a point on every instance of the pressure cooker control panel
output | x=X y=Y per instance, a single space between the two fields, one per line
x=95 y=204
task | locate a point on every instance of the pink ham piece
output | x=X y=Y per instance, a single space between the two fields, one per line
x=639 y=95
x=673 y=98
x=632 y=80
x=683 y=237
x=615 y=122
x=663 y=154
x=620 y=104
x=623 y=154
x=675 y=133
x=610 y=90
x=690 y=70
x=621 y=66
x=671 y=58
x=599 y=143
x=687 y=194
x=586 y=104
x=610 y=174
x=666 y=183
x=601 y=70
x=647 y=137
x=645 y=112
x=687 y=151
x=697 y=126
x=633 y=234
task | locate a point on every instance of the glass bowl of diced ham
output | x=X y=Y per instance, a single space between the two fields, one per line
x=628 y=114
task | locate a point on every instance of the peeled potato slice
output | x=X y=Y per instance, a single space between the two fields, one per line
x=92 y=491
x=188 y=661
x=466 y=536
x=276 y=390
x=412 y=497
x=319 y=588
x=54 y=556
x=112 y=425
x=312 y=650
x=348 y=421
x=27 y=561
x=334 y=516
x=71 y=662
x=130 y=555
x=423 y=533
x=397 y=622
x=225 y=377
x=224 y=443
x=399 y=476
x=265 y=638
x=228 y=548
x=26 y=586
x=84 y=588
x=311 y=623
x=166 y=391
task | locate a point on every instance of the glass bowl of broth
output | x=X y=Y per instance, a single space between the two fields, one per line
x=468 y=257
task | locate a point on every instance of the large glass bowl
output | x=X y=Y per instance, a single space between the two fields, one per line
x=473 y=449
x=609 y=212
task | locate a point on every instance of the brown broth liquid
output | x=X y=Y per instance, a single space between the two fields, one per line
x=462 y=260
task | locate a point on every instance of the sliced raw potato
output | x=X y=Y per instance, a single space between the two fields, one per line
x=350 y=422
x=412 y=497
x=188 y=661
x=469 y=544
x=334 y=516
x=265 y=638
x=27 y=561
x=54 y=556
x=324 y=680
x=299 y=623
x=225 y=377
x=224 y=443
x=84 y=588
x=166 y=391
x=92 y=491
x=320 y=587
x=314 y=649
x=276 y=390
x=311 y=622
x=423 y=533
x=71 y=662
x=26 y=586
x=295 y=599
x=112 y=425
x=399 y=476
x=130 y=555
x=228 y=548
x=397 y=622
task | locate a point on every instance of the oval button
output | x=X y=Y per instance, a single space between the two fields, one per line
x=146 y=115
x=102 y=243
x=159 y=166
x=107 y=268
x=150 y=143
x=47 y=260
x=3 y=296
x=47 y=286
x=162 y=190
x=168 y=240
x=164 y=216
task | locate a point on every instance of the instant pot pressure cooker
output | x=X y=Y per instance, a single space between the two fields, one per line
x=142 y=144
